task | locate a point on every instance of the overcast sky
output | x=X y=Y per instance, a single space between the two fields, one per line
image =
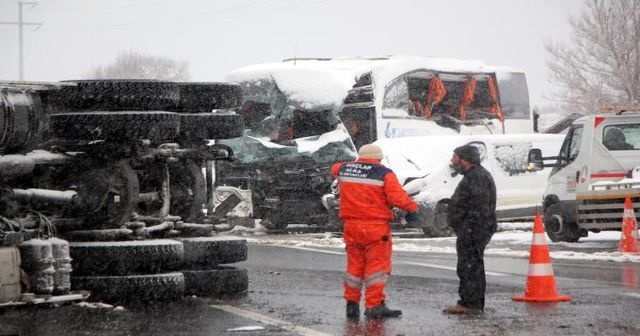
x=217 y=36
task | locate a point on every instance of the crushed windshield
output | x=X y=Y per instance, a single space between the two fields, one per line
x=269 y=113
x=279 y=129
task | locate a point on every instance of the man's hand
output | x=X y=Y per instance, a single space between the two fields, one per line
x=412 y=217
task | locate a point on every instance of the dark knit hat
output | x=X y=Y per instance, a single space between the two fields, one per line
x=468 y=153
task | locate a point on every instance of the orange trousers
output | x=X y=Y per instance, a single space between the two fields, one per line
x=368 y=245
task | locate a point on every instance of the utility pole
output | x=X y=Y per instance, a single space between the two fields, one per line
x=21 y=23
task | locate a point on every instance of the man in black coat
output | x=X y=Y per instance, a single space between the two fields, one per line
x=472 y=215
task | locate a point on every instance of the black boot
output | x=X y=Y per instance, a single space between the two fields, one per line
x=353 y=309
x=381 y=311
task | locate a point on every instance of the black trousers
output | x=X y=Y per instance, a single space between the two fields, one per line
x=470 y=268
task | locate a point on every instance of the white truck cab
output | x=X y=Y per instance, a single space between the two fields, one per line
x=592 y=174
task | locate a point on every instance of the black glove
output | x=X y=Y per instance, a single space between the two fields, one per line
x=412 y=217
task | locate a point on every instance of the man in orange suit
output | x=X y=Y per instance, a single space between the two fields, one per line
x=368 y=190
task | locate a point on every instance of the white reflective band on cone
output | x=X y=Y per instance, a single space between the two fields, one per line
x=539 y=239
x=540 y=269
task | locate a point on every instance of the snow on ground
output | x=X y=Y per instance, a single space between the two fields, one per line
x=512 y=240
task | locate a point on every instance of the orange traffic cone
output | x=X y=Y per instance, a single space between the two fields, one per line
x=629 y=242
x=541 y=284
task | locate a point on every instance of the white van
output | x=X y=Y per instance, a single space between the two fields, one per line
x=422 y=166
x=595 y=169
x=392 y=96
x=359 y=100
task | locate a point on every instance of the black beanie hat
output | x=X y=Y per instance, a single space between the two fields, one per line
x=468 y=153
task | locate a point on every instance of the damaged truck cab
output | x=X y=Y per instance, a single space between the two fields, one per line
x=284 y=155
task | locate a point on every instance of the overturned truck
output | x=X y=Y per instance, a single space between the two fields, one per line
x=115 y=167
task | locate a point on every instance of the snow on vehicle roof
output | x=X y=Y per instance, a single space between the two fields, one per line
x=304 y=82
x=327 y=80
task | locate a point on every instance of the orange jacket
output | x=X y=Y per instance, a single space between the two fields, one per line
x=368 y=190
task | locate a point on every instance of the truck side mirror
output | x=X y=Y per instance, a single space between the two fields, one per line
x=534 y=160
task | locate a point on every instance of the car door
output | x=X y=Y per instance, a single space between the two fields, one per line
x=566 y=174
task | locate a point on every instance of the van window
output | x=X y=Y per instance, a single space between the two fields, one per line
x=512 y=157
x=514 y=95
x=621 y=137
x=570 y=148
x=396 y=98
x=427 y=94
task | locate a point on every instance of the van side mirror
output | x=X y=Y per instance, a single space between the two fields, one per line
x=534 y=160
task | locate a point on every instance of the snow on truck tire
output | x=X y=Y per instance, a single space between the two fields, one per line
x=125 y=257
x=96 y=125
x=201 y=253
x=216 y=282
x=133 y=288
x=111 y=95
x=205 y=97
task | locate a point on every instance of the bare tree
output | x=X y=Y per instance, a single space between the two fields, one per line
x=133 y=65
x=601 y=64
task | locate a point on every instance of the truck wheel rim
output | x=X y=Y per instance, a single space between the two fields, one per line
x=557 y=220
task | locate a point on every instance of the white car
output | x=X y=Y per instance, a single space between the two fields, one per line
x=422 y=165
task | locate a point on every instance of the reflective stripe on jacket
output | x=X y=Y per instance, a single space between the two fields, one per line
x=368 y=190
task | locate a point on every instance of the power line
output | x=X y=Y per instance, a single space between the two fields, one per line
x=20 y=24
x=201 y=16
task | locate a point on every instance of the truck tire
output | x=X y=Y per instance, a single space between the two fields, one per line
x=111 y=95
x=216 y=282
x=132 y=288
x=439 y=226
x=205 y=97
x=22 y=121
x=195 y=126
x=125 y=257
x=115 y=126
x=557 y=227
x=208 y=252
x=108 y=194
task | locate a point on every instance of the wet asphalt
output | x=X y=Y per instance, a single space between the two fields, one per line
x=296 y=291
